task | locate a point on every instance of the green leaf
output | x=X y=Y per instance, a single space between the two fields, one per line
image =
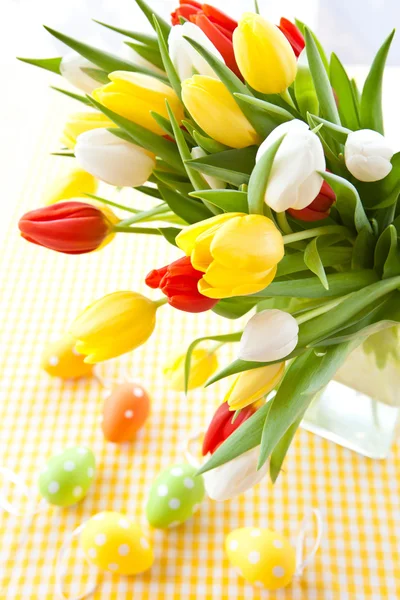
x=246 y=437
x=294 y=263
x=256 y=7
x=96 y=74
x=148 y=53
x=304 y=89
x=363 y=250
x=208 y=144
x=371 y=98
x=78 y=97
x=321 y=81
x=348 y=202
x=305 y=376
x=173 y=181
x=259 y=178
x=311 y=287
x=347 y=101
x=143 y=38
x=330 y=154
x=50 y=64
x=278 y=114
x=387 y=255
x=228 y=337
x=167 y=62
x=234 y=308
x=104 y=60
x=313 y=261
x=186 y=208
x=279 y=452
x=321 y=50
x=170 y=234
x=320 y=327
x=228 y=200
x=232 y=166
x=338 y=132
x=149 y=191
x=149 y=13
x=144 y=137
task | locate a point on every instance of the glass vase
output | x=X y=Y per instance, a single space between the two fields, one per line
x=360 y=408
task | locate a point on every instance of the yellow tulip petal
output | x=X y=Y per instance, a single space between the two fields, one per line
x=250 y=386
x=203 y=365
x=186 y=239
x=220 y=282
x=75 y=183
x=216 y=111
x=79 y=123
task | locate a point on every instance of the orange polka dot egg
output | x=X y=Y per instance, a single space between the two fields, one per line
x=125 y=411
x=113 y=542
x=262 y=557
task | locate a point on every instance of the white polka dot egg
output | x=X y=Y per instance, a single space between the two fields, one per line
x=174 y=496
x=67 y=476
x=113 y=542
x=262 y=557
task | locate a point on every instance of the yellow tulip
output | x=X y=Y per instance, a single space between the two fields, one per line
x=264 y=55
x=61 y=360
x=251 y=386
x=203 y=364
x=76 y=183
x=214 y=108
x=113 y=325
x=237 y=253
x=79 y=123
x=134 y=95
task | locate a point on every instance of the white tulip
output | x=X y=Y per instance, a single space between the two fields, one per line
x=234 y=477
x=269 y=335
x=113 y=160
x=213 y=182
x=367 y=155
x=186 y=59
x=71 y=69
x=293 y=181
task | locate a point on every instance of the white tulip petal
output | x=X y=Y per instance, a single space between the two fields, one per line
x=185 y=58
x=367 y=155
x=71 y=69
x=269 y=335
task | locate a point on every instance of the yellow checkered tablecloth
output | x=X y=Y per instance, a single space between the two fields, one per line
x=41 y=293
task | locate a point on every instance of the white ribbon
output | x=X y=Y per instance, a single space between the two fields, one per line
x=23 y=490
x=306 y=527
x=60 y=569
x=186 y=445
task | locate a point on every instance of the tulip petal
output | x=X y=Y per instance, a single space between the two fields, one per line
x=269 y=335
x=250 y=386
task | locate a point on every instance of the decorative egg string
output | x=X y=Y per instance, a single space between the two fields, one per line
x=61 y=572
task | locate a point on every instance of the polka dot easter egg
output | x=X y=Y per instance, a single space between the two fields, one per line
x=125 y=411
x=60 y=359
x=174 y=496
x=67 y=477
x=113 y=542
x=263 y=557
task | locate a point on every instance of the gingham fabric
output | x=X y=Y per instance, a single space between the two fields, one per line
x=41 y=293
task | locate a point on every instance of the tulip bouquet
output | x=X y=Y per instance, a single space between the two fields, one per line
x=269 y=171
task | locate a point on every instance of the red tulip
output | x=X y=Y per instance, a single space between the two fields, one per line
x=319 y=208
x=293 y=35
x=221 y=426
x=217 y=26
x=178 y=281
x=69 y=227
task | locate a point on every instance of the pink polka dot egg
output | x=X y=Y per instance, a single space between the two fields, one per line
x=113 y=542
x=262 y=557
x=125 y=411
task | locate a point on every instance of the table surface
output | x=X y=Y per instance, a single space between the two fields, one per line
x=41 y=293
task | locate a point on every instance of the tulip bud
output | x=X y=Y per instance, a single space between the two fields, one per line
x=114 y=325
x=269 y=336
x=114 y=160
x=234 y=477
x=179 y=282
x=80 y=122
x=213 y=182
x=71 y=69
x=319 y=208
x=134 y=96
x=202 y=365
x=76 y=183
x=186 y=59
x=367 y=155
x=222 y=425
x=293 y=181
x=212 y=106
x=69 y=227
x=264 y=55
x=251 y=386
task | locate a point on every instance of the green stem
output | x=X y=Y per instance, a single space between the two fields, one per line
x=109 y=203
x=316 y=312
x=147 y=230
x=310 y=233
x=161 y=302
x=143 y=215
x=283 y=223
x=287 y=98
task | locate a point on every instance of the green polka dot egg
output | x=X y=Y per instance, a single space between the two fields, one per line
x=67 y=476
x=262 y=557
x=174 y=496
x=113 y=542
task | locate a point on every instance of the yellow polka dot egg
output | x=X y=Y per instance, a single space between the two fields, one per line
x=262 y=557
x=60 y=359
x=113 y=542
